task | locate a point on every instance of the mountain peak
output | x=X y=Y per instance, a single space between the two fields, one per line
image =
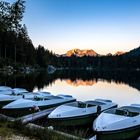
x=119 y=53
x=81 y=53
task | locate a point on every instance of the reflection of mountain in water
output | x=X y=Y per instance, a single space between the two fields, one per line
x=74 y=77
x=79 y=82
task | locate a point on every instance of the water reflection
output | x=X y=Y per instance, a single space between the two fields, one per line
x=42 y=79
x=120 y=86
x=119 y=93
x=79 y=82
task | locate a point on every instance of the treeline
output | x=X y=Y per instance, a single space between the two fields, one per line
x=126 y=61
x=16 y=46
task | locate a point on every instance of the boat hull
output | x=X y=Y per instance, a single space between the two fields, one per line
x=123 y=134
x=3 y=103
x=18 y=112
x=73 y=121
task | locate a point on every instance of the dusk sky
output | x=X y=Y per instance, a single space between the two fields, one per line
x=102 y=25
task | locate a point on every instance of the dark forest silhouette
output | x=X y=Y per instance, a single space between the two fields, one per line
x=17 y=49
x=16 y=46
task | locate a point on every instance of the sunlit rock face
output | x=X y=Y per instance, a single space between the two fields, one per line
x=119 y=53
x=88 y=52
x=116 y=54
x=80 y=53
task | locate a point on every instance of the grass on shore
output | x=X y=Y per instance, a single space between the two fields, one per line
x=8 y=129
x=9 y=133
x=4 y=130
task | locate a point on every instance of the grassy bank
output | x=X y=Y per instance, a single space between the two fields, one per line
x=8 y=133
x=15 y=131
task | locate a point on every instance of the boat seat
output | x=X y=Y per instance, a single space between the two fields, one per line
x=126 y=113
x=37 y=98
x=132 y=114
x=119 y=112
x=81 y=105
x=90 y=105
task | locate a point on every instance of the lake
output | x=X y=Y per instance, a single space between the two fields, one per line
x=120 y=93
x=122 y=87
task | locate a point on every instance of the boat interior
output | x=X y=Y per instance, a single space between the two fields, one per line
x=128 y=111
x=86 y=104
x=97 y=103
x=36 y=98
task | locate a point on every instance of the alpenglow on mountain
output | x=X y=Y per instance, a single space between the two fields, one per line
x=80 y=53
x=119 y=53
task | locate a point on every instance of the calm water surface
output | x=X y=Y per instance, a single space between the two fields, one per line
x=120 y=93
x=122 y=87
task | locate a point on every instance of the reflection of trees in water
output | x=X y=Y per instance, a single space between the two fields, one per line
x=39 y=80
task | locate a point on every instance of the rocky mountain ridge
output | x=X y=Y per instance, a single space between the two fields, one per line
x=87 y=52
x=80 y=53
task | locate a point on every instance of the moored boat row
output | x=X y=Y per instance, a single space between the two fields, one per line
x=109 y=121
x=20 y=94
x=19 y=101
